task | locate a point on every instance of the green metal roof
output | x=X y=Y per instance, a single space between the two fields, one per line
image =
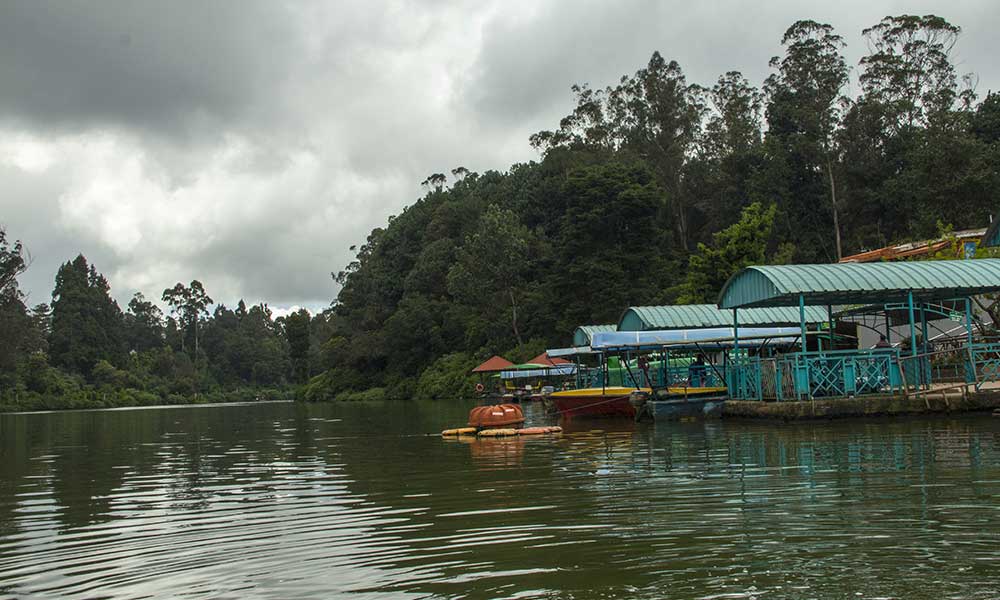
x=583 y=333
x=704 y=316
x=855 y=283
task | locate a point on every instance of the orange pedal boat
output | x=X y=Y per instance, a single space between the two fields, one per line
x=498 y=415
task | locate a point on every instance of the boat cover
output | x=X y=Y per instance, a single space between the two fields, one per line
x=715 y=338
x=553 y=352
x=553 y=371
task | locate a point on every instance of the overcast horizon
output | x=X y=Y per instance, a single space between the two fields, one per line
x=248 y=145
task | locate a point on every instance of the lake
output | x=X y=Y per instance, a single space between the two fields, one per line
x=284 y=500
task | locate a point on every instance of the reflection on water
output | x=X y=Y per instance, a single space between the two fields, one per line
x=291 y=501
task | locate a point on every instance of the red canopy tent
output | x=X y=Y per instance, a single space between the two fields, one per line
x=545 y=359
x=494 y=365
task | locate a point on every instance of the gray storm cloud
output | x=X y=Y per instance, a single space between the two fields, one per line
x=249 y=144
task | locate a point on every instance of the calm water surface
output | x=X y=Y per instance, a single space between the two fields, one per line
x=291 y=501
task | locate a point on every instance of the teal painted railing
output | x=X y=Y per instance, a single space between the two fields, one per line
x=843 y=373
x=817 y=374
x=985 y=358
x=675 y=376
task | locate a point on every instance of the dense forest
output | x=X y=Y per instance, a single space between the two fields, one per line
x=83 y=350
x=652 y=190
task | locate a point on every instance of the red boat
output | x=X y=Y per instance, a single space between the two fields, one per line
x=595 y=402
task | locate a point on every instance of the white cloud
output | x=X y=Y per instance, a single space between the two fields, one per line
x=166 y=146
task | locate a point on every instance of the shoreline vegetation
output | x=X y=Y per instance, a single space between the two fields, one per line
x=653 y=190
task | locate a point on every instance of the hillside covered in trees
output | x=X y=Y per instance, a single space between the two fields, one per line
x=652 y=190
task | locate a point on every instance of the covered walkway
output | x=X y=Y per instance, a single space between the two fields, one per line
x=708 y=316
x=915 y=289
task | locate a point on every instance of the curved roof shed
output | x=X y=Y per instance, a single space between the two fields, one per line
x=708 y=316
x=857 y=283
x=584 y=333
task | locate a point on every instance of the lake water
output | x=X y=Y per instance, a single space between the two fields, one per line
x=291 y=501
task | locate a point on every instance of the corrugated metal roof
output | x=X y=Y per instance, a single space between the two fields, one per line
x=854 y=283
x=704 y=316
x=583 y=333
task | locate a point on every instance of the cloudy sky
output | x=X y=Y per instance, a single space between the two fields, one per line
x=250 y=144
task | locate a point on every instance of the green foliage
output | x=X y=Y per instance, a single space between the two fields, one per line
x=638 y=174
x=143 y=324
x=643 y=170
x=102 y=358
x=375 y=394
x=296 y=327
x=189 y=304
x=491 y=265
x=803 y=113
x=105 y=374
x=87 y=324
x=654 y=115
x=15 y=325
x=909 y=69
x=447 y=378
x=740 y=245
x=246 y=346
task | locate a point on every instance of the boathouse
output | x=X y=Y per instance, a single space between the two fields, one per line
x=919 y=290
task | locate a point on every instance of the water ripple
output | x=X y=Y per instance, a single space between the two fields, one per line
x=291 y=501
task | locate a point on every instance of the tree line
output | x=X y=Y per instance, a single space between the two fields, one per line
x=655 y=190
x=82 y=350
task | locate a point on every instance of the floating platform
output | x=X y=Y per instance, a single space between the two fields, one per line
x=500 y=432
x=926 y=402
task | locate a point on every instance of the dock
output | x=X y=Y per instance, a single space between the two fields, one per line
x=871 y=405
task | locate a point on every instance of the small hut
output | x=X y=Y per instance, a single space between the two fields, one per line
x=494 y=365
